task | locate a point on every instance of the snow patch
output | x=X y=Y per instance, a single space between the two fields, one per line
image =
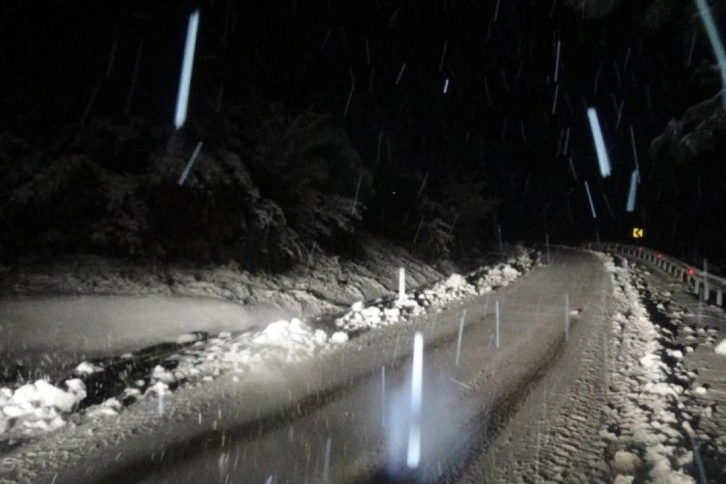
x=455 y=288
x=187 y=338
x=646 y=390
x=86 y=368
x=339 y=338
x=39 y=405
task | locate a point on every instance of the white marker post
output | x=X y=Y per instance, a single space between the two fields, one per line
x=383 y=396
x=706 y=288
x=414 y=433
x=496 y=310
x=401 y=284
x=326 y=464
x=461 y=333
x=567 y=317
x=160 y=406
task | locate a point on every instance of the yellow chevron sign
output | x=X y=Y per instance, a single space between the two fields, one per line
x=638 y=233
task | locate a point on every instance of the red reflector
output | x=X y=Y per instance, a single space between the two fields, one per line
x=691 y=271
x=660 y=256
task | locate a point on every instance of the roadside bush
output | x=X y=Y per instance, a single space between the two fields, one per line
x=308 y=167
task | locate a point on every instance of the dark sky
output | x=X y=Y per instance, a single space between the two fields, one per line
x=497 y=111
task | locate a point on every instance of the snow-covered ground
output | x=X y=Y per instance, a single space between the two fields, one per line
x=653 y=405
x=652 y=415
x=35 y=407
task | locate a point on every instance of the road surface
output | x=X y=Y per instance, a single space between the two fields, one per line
x=338 y=418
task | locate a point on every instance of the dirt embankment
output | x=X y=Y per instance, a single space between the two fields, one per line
x=325 y=283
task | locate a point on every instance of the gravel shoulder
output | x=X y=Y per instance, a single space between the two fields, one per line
x=552 y=433
x=697 y=328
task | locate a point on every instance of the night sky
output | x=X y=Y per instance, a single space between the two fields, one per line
x=503 y=118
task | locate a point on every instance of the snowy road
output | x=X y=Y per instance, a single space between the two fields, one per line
x=338 y=418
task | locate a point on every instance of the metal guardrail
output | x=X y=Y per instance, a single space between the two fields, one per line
x=708 y=287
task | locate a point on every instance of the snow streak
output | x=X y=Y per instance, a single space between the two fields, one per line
x=716 y=44
x=631 y=194
x=185 y=80
x=589 y=197
x=602 y=154
x=190 y=163
x=414 y=436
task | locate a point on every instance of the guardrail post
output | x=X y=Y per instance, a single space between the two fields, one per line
x=700 y=283
x=705 y=278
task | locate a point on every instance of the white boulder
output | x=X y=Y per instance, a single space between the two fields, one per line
x=54 y=397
